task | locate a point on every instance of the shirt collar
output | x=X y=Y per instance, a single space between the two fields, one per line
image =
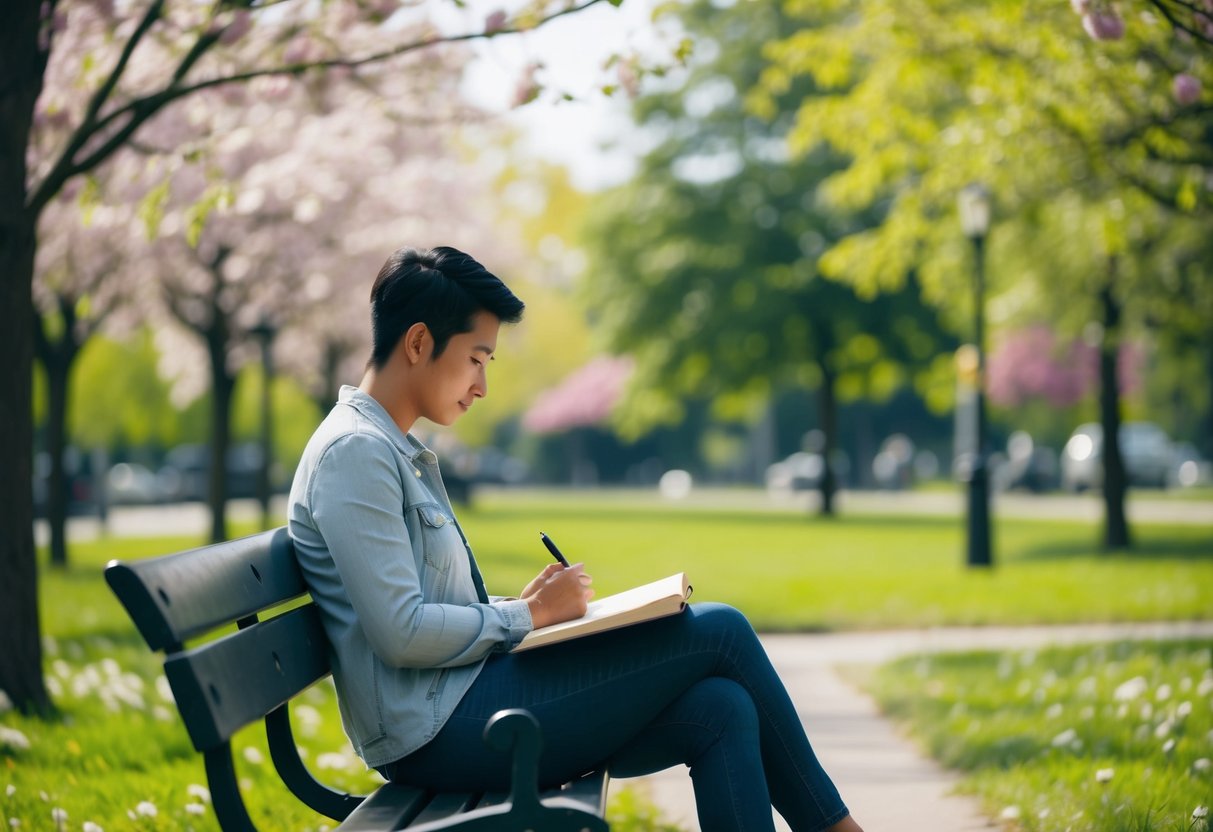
x=370 y=407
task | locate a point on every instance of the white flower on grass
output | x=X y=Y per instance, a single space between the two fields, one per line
x=14 y=823
x=1087 y=714
x=1054 y=711
x=164 y=689
x=89 y=826
x=44 y=797
x=195 y=809
x=1104 y=775
x=13 y=739
x=1205 y=687
x=1202 y=764
x=1163 y=693
x=6 y=704
x=1168 y=746
x=339 y=762
x=200 y=792
x=1184 y=710
x=59 y=816
x=1009 y=813
x=1200 y=813
x=1131 y=689
x=1043 y=813
x=253 y=755
x=147 y=809
x=10 y=790
x=1065 y=738
x=161 y=713
x=1163 y=728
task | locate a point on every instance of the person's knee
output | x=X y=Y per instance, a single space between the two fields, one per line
x=725 y=704
x=713 y=615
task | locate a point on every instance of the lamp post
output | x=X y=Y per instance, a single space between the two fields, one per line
x=265 y=331
x=973 y=205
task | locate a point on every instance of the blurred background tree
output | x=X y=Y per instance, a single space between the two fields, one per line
x=1094 y=155
x=706 y=261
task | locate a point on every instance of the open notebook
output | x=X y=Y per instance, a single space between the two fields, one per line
x=644 y=603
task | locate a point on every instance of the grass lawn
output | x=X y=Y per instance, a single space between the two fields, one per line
x=117 y=746
x=1115 y=738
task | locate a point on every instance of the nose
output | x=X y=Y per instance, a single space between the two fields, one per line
x=480 y=388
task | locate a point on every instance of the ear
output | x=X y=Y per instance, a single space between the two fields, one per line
x=416 y=342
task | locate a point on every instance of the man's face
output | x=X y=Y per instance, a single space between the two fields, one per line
x=458 y=377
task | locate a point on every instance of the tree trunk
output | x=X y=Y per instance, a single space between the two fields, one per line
x=334 y=353
x=1205 y=443
x=222 y=385
x=827 y=403
x=58 y=495
x=58 y=358
x=22 y=64
x=1116 y=527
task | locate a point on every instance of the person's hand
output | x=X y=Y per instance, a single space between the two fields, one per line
x=561 y=596
x=540 y=579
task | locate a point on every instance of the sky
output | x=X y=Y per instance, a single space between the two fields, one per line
x=590 y=135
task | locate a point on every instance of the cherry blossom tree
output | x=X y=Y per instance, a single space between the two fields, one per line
x=103 y=71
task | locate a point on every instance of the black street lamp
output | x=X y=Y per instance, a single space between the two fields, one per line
x=265 y=331
x=974 y=208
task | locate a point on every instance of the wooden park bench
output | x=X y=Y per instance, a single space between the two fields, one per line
x=229 y=682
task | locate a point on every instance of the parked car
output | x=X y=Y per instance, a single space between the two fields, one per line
x=1144 y=447
x=1026 y=465
x=78 y=469
x=186 y=470
x=129 y=483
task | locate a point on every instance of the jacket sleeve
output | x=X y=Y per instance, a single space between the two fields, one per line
x=358 y=511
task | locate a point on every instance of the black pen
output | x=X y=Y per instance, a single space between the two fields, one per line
x=547 y=541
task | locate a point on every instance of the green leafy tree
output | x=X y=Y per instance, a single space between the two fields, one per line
x=1094 y=157
x=706 y=262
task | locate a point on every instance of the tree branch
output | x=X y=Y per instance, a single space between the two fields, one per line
x=88 y=127
x=1175 y=22
x=141 y=109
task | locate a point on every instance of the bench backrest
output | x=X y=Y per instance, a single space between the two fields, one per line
x=225 y=684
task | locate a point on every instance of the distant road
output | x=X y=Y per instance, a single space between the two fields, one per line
x=193 y=518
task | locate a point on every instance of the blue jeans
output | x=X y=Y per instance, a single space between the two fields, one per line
x=694 y=689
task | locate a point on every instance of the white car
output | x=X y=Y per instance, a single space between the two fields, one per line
x=1144 y=447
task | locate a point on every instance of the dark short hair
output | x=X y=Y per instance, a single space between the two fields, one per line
x=442 y=288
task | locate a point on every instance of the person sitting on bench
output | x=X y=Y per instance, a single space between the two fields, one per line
x=421 y=653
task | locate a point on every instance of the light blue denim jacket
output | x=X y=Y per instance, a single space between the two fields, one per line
x=391 y=572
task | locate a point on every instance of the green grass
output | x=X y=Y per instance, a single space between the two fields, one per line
x=117 y=741
x=792 y=572
x=1116 y=738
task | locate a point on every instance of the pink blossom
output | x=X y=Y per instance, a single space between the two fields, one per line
x=383 y=9
x=527 y=88
x=1104 y=25
x=238 y=27
x=1032 y=364
x=1186 y=88
x=585 y=397
x=495 y=22
x=628 y=79
x=299 y=50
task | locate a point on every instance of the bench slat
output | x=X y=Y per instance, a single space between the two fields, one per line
x=233 y=681
x=391 y=807
x=177 y=597
x=443 y=806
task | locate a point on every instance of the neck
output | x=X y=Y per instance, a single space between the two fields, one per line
x=383 y=386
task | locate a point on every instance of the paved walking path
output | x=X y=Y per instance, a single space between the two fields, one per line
x=885 y=780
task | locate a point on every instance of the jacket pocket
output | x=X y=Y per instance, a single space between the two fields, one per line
x=440 y=540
